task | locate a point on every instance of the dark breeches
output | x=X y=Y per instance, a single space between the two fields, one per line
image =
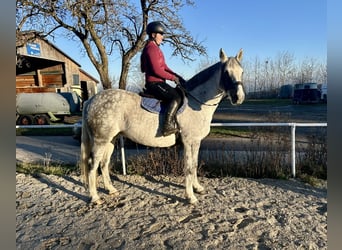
x=164 y=92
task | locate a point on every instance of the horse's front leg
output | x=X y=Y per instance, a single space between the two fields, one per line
x=198 y=188
x=105 y=169
x=190 y=171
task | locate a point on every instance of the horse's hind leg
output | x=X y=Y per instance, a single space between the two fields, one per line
x=92 y=176
x=105 y=169
x=97 y=156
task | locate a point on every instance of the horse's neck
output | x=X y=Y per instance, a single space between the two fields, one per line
x=208 y=91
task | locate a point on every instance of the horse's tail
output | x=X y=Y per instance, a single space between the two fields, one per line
x=86 y=158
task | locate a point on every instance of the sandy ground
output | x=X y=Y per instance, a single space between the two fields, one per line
x=236 y=213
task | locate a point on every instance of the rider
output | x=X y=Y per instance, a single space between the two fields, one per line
x=157 y=72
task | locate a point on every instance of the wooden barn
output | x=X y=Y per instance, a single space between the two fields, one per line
x=42 y=67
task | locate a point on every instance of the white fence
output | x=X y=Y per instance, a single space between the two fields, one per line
x=293 y=126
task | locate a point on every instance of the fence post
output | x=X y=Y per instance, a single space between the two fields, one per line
x=123 y=158
x=293 y=149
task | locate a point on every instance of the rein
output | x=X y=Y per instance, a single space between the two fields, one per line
x=199 y=101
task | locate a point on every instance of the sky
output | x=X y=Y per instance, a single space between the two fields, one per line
x=262 y=28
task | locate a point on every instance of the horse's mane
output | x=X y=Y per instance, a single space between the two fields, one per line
x=201 y=77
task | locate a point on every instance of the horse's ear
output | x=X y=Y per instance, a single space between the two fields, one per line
x=223 y=56
x=239 y=55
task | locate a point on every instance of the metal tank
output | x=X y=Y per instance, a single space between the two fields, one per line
x=30 y=107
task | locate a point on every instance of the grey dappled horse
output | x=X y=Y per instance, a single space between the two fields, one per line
x=115 y=111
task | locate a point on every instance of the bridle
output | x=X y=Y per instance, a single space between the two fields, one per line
x=224 y=78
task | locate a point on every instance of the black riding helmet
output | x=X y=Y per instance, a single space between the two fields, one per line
x=155 y=27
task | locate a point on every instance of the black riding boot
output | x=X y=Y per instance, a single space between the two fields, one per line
x=169 y=127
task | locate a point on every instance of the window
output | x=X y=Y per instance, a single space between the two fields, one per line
x=75 y=79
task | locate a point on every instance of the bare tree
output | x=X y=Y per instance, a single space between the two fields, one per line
x=265 y=76
x=257 y=83
x=321 y=73
x=105 y=27
x=307 y=70
x=284 y=64
x=248 y=76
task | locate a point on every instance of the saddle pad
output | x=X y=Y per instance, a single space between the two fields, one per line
x=156 y=106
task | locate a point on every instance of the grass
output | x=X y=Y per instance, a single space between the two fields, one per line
x=44 y=131
x=54 y=169
x=229 y=131
x=278 y=102
x=311 y=180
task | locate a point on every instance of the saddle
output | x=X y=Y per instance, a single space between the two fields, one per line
x=154 y=105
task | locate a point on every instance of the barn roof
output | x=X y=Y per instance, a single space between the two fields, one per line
x=87 y=74
x=25 y=37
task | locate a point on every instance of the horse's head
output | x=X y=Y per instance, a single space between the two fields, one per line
x=231 y=78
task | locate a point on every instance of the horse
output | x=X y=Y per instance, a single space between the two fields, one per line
x=115 y=111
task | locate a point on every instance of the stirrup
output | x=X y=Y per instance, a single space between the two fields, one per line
x=170 y=131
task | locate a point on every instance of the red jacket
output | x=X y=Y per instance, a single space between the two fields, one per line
x=153 y=64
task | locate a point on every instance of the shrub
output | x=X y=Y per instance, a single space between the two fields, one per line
x=266 y=156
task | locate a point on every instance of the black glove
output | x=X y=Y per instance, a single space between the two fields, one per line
x=180 y=80
x=177 y=80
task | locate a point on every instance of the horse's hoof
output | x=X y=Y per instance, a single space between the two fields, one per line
x=200 y=191
x=98 y=201
x=114 y=193
x=193 y=201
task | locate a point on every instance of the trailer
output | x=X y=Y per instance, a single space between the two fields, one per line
x=44 y=108
x=306 y=93
x=324 y=93
x=286 y=91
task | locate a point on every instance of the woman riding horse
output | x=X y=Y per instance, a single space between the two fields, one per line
x=157 y=72
x=109 y=113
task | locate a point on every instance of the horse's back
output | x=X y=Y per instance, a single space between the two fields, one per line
x=105 y=112
x=112 y=96
x=111 y=100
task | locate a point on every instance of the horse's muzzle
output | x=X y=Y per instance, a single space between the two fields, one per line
x=237 y=96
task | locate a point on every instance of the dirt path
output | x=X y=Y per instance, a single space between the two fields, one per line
x=52 y=213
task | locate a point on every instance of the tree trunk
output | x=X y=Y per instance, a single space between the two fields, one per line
x=126 y=59
x=124 y=72
x=106 y=82
x=104 y=76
